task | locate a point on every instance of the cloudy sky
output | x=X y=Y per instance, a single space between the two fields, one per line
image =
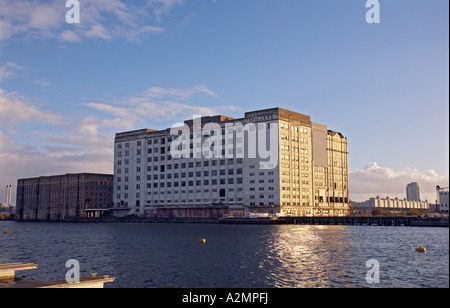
x=66 y=89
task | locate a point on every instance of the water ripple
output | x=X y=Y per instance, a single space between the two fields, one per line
x=287 y=256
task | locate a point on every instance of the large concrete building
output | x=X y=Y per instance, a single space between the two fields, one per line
x=62 y=197
x=270 y=161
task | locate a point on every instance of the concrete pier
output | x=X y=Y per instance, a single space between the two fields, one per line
x=7 y=271
x=85 y=282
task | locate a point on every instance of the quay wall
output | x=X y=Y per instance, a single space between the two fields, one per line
x=378 y=221
x=132 y=220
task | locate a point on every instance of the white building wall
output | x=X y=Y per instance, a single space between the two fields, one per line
x=393 y=204
x=443 y=195
x=145 y=178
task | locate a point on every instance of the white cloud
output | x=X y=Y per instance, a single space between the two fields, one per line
x=177 y=94
x=43 y=83
x=113 y=110
x=69 y=36
x=15 y=110
x=375 y=180
x=30 y=17
x=8 y=69
x=97 y=31
x=99 y=19
x=161 y=104
x=163 y=7
x=82 y=142
x=19 y=161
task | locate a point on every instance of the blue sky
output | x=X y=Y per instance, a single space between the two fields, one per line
x=65 y=89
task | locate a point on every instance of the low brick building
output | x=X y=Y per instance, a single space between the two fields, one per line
x=62 y=197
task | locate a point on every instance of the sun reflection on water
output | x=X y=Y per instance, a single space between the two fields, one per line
x=308 y=256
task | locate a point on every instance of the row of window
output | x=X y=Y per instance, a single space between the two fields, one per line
x=294 y=149
x=176 y=175
x=206 y=163
x=296 y=203
x=251 y=197
x=165 y=168
x=293 y=138
x=230 y=181
x=295 y=197
x=164 y=150
x=295 y=158
x=190 y=201
x=294 y=128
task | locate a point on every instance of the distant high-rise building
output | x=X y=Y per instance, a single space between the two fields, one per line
x=412 y=192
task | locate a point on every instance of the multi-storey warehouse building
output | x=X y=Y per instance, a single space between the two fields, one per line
x=62 y=197
x=273 y=161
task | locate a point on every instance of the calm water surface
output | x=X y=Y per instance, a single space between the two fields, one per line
x=169 y=255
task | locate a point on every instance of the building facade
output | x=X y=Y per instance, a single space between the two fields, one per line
x=442 y=194
x=60 y=197
x=393 y=204
x=271 y=161
x=412 y=192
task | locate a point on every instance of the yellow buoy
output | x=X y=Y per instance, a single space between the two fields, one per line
x=202 y=240
x=5 y=232
x=421 y=249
